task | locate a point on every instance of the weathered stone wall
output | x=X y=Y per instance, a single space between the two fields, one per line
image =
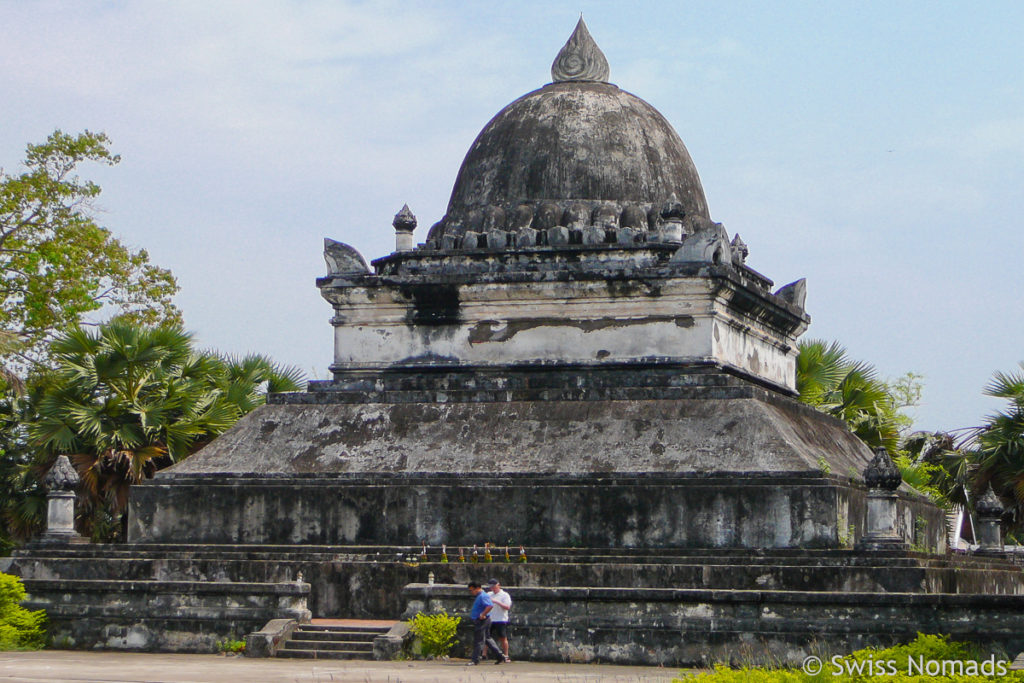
x=701 y=627
x=366 y=581
x=725 y=511
x=164 y=616
x=653 y=511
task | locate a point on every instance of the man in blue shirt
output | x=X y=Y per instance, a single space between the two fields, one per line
x=482 y=625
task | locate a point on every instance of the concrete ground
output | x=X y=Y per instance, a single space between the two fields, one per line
x=131 y=667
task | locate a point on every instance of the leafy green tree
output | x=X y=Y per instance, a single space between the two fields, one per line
x=56 y=262
x=126 y=400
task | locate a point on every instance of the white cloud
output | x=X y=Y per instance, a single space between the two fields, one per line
x=250 y=130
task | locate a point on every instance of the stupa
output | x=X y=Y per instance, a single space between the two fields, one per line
x=575 y=337
x=577 y=359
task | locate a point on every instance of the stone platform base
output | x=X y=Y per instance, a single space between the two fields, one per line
x=722 y=510
x=186 y=598
x=160 y=616
x=654 y=454
x=686 y=627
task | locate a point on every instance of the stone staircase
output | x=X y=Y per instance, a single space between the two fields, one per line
x=334 y=639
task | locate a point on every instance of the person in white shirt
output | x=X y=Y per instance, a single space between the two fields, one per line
x=502 y=603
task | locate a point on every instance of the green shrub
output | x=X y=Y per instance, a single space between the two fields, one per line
x=229 y=646
x=435 y=631
x=724 y=674
x=950 y=662
x=19 y=628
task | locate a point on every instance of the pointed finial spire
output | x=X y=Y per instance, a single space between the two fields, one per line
x=404 y=224
x=62 y=476
x=580 y=59
x=404 y=220
x=989 y=504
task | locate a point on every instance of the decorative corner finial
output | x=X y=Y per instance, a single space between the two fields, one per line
x=404 y=224
x=580 y=59
x=404 y=220
x=62 y=476
x=882 y=473
x=740 y=251
x=989 y=504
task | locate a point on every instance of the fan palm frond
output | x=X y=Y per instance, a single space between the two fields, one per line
x=128 y=399
x=1009 y=386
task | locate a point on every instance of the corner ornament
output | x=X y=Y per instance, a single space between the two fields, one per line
x=882 y=473
x=62 y=476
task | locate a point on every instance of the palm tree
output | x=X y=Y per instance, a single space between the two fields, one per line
x=127 y=400
x=997 y=447
x=829 y=380
x=22 y=498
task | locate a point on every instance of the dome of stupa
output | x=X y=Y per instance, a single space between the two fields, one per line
x=574 y=151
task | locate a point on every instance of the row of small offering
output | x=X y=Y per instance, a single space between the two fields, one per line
x=489 y=553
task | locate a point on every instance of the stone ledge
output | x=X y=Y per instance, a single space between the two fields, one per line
x=697 y=595
x=513 y=479
x=189 y=587
x=327 y=397
x=174 y=613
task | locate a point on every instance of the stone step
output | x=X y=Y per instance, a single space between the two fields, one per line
x=334 y=639
x=303 y=633
x=285 y=569
x=266 y=571
x=364 y=646
x=161 y=615
x=322 y=654
x=334 y=582
x=349 y=627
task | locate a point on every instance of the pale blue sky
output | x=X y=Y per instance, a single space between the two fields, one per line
x=876 y=148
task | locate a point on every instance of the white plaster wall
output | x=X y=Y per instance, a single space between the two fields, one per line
x=754 y=351
x=681 y=319
x=385 y=344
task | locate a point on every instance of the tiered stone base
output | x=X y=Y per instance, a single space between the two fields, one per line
x=695 y=627
x=671 y=514
x=154 y=615
x=670 y=605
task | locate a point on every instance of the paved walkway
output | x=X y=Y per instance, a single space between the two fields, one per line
x=130 y=667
